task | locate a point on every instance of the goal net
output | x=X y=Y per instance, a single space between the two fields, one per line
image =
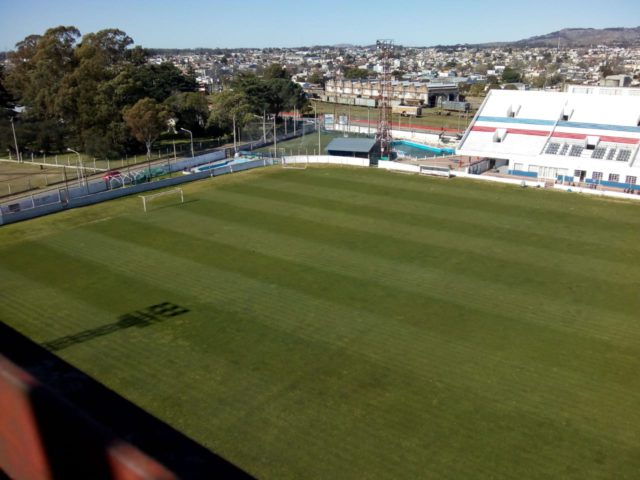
x=295 y=163
x=165 y=198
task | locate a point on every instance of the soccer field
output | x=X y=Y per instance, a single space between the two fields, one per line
x=354 y=323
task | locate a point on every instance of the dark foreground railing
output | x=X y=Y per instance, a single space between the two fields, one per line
x=57 y=422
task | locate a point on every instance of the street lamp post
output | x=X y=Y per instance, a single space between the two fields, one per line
x=235 y=143
x=315 y=113
x=15 y=139
x=191 y=136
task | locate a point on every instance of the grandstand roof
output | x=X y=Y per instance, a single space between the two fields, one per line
x=524 y=122
x=358 y=145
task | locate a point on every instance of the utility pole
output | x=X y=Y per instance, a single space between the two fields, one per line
x=235 y=145
x=15 y=139
x=264 y=126
x=315 y=113
x=275 y=136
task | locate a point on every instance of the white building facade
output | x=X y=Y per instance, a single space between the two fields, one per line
x=586 y=134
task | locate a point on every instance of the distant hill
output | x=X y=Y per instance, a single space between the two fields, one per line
x=578 y=37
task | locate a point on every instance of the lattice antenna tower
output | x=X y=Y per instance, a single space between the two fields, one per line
x=383 y=135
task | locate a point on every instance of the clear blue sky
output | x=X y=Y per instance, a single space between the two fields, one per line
x=287 y=23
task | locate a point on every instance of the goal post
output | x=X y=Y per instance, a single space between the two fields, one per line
x=146 y=199
x=294 y=164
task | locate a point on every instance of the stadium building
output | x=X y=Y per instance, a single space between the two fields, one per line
x=585 y=134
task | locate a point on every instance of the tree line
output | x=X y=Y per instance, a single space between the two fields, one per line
x=98 y=93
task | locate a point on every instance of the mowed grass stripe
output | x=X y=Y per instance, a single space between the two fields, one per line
x=585 y=288
x=292 y=371
x=420 y=282
x=397 y=354
x=40 y=311
x=566 y=381
x=571 y=210
x=483 y=220
x=430 y=234
x=108 y=250
x=402 y=235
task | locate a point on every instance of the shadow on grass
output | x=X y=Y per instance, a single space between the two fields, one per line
x=79 y=421
x=139 y=319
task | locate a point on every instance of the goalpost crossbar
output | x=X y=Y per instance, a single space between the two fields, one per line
x=294 y=165
x=160 y=194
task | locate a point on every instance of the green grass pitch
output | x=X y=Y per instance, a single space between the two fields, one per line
x=354 y=323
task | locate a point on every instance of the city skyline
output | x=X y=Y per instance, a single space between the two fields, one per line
x=254 y=24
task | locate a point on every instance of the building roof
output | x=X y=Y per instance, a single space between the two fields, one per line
x=359 y=145
x=526 y=122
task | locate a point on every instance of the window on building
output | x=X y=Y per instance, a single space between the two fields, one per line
x=596 y=176
x=533 y=168
x=631 y=180
x=577 y=173
x=518 y=166
x=614 y=177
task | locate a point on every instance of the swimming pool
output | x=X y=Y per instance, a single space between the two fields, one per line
x=220 y=163
x=405 y=148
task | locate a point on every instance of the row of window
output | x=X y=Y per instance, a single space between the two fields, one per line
x=575 y=150
x=613 y=177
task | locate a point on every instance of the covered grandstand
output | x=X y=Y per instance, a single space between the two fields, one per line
x=578 y=136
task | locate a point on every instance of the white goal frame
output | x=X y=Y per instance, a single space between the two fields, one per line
x=160 y=194
x=294 y=165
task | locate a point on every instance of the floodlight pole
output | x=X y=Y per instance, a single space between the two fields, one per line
x=190 y=135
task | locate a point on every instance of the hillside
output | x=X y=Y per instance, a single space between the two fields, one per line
x=578 y=37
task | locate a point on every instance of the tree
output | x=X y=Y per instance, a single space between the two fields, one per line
x=356 y=73
x=38 y=66
x=6 y=100
x=398 y=74
x=316 y=78
x=269 y=95
x=284 y=95
x=227 y=104
x=190 y=109
x=509 y=75
x=76 y=91
x=275 y=70
x=477 y=89
x=147 y=120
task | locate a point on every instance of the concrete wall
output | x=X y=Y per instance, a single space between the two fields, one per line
x=330 y=159
x=398 y=167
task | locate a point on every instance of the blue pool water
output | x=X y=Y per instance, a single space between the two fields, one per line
x=405 y=148
x=221 y=163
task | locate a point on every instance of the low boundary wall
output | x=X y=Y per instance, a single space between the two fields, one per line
x=327 y=159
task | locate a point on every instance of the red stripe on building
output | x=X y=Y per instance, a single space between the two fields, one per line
x=582 y=136
x=574 y=136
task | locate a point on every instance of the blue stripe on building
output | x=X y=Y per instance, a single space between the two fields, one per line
x=533 y=121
